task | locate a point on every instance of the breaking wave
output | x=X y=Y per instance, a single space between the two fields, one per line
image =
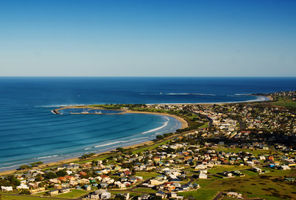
x=158 y=128
x=47 y=157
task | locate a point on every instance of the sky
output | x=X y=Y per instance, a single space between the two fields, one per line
x=148 y=38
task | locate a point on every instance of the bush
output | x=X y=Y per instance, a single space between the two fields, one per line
x=23 y=167
x=84 y=156
x=25 y=192
x=120 y=149
x=61 y=173
x=13 y=181
x=50 y=175
x=36 y=164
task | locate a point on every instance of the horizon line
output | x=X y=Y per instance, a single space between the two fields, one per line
x=158 y=76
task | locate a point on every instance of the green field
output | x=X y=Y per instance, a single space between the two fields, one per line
x=268 y=186
x=288 y=103
x=9 y=197
x=204 y=194
x=147 y=175
x=73 y=194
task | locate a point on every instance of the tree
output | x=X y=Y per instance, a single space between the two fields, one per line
x=120 y=149
x=23 y=167
x=13 y=181
x=50 y=175
x=61 y=173
x=36 y=164
x=159 y=137
x=25 y=192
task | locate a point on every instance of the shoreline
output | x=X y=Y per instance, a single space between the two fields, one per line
x=266 y=99
x=183 y=122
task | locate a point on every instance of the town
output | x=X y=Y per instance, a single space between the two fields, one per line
x=228 y=151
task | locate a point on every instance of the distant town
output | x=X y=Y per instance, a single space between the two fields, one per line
x=227 y=151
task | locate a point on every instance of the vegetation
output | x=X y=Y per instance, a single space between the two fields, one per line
x=285 y=102
x=85 y=156
x=73 y=194
x=23 y=197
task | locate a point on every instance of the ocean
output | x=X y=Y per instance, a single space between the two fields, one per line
x=29 y=132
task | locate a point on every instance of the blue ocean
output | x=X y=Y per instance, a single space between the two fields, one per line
x=29 y=132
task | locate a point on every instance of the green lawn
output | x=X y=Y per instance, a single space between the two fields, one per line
x=267 y=186
x=288 y=103
x=145 y=190
x=219 y=169
x=255 y=152
x=73 y=194
x=8 y=197
x=147 y=175
x=150 y=147
x=204 y=194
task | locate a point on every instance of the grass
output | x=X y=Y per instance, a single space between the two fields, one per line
x=22 y=197
x=204 y=194
x=144 y=190
x=146 y=175
x=267 y=186
x=285 y=102
x=150 y=147
x=73 y=194
x=219 y=169
x=255 y=152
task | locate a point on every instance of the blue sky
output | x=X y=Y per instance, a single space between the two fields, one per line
x=147 y=38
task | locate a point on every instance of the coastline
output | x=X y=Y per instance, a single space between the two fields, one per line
x=74 y=159
x=266 y=99
x=183 y=122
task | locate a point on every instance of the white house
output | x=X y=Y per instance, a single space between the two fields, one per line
x=6 y=188
x=22 y=187
x=203 y=176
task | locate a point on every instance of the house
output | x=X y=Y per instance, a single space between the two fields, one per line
x=87 y=187
x=103 y=185
x=175 y=196
x=65 y=190
x=234 y=195
x=105 y=195
x=257 y=169
x=156 y=182
x=161 y=194
x=22 y=187
x=285 y=167
x=203 y=176
x=6 y=188
x=201 y=167
x=53 y=192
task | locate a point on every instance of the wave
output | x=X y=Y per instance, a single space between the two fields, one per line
x=46 y=157
x=179 y=94
x=9 y=167
x=108 y=144
x=184 y=94
x=242 y=94
x=259 y=98
x=158 y=128
x=59 y=105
